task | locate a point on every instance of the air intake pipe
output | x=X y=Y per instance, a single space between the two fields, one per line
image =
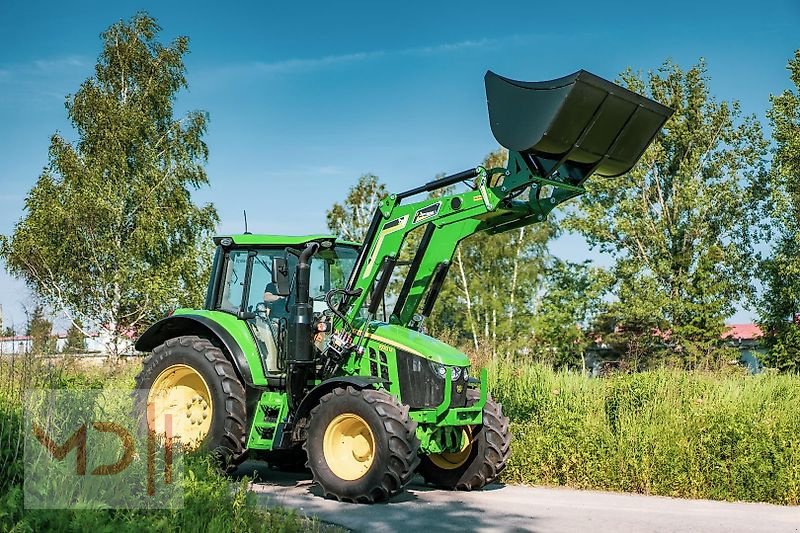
x=301 y=314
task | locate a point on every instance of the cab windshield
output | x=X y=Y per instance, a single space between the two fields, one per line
x=330 y=269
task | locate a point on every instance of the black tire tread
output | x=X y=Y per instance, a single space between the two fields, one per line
x=496 y=456
x=231 y=447
x=403 y=444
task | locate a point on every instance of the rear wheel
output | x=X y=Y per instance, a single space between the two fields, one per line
x=188 y=383
x=482 y=457
x=362 y=446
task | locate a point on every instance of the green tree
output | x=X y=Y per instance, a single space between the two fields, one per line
x=350 y=219
x=779 y=306
x=40 y=329
x=111 y=236
x=679 y=225
x=571 y=300
x=76 y=340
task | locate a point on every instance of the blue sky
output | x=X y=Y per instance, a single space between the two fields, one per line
x=305 y=97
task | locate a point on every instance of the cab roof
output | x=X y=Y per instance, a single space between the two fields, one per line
x=260 y=239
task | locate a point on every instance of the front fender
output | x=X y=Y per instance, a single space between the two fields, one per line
x=312 y=398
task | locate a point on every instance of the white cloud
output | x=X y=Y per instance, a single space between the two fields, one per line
x=309 y=171
x=42 y=81
x=450 y=47
x=39 y=68
x=310 y=64
x=60 y=63
x=294 y=65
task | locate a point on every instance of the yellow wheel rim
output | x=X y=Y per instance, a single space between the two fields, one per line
x=348 y=446
x=452 y=460
x=179 y=403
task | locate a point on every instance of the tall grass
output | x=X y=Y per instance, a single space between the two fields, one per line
x=211 y=502
x=667 y=432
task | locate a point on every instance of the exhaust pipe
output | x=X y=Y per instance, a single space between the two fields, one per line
x=300 y=317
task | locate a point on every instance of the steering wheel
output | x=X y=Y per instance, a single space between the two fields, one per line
x=262 y=311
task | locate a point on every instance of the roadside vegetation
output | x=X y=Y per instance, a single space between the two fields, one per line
x=714 y=435
x=211 y=501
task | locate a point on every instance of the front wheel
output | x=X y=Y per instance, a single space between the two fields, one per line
x=482 y=457
x=362 y=446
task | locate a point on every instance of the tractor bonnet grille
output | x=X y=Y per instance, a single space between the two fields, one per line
x=421 y=388
x=378 y=364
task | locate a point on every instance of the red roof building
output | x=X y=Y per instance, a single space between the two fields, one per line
x=742 y=332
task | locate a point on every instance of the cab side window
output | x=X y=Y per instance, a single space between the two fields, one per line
x=233 y=283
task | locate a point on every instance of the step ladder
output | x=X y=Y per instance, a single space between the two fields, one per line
x=268 y=421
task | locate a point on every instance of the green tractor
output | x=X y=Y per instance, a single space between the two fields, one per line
x=288 y=361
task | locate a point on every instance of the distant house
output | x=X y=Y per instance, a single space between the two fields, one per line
x=22 y=344
x=18 y=344
x=746 y=337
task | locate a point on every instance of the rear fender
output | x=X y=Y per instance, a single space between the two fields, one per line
x=202 y=326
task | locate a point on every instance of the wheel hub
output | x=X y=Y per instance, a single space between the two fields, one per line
x=453 y=460
x=179 y=403
x=349 y=446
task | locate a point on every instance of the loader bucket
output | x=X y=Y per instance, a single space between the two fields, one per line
x=573 y=126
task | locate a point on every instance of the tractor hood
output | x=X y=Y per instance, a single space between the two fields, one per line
x=417 y=343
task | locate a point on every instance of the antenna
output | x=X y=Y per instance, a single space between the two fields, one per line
x=245 y=222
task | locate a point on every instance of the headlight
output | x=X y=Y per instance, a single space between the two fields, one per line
x=440 y=370
x=466 y=374
x=455 y=371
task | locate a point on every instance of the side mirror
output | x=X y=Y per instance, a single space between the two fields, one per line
x=280 y=275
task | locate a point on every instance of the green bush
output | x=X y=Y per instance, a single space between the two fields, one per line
x=666 y=432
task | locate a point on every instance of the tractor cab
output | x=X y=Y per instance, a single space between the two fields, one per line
x=252 y=280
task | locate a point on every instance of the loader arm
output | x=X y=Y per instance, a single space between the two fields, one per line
x=559 y=133
x=493 y=205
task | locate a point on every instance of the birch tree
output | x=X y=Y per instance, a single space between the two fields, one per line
x=350 y=219
x=111 y=236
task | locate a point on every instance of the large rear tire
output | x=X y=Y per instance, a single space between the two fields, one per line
x=189 y=381
x=481 y=460
x=362 y=446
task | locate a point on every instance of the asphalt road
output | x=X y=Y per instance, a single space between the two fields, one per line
x=518 y=508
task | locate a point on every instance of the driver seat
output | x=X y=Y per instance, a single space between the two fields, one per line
x=265 y=335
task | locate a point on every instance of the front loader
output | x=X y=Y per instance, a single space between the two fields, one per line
x=288 y=359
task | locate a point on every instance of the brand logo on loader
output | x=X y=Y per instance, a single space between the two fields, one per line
x=388 y=228
x=427 y=212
